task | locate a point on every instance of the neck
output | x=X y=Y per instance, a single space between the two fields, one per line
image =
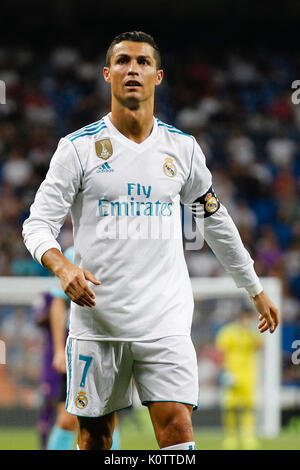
x=135 y=124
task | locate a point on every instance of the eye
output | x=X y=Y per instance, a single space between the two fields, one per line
x=122 y=60
x=143 y=61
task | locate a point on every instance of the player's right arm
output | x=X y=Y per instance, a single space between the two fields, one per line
x=53 y=200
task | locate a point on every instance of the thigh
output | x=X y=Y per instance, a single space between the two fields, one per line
x=98 y=377
x=165 y=370
x=248 y=395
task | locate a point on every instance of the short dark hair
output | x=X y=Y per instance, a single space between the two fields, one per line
x=135 y=36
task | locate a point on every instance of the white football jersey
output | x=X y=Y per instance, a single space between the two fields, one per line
x=124 y=199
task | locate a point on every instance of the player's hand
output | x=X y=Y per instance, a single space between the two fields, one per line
x=75 y=285
x=268 y=318
x=59 y=362
x=74 y=280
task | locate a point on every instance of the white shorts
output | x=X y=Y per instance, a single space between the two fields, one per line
x=99 y=374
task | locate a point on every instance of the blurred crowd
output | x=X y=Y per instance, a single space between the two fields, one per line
x=237 y=104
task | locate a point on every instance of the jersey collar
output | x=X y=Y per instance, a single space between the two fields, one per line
x=134 y=145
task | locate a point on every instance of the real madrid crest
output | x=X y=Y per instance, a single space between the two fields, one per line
x=211 y=203
x=104 y=148
x=81 y=400
x=169 y=167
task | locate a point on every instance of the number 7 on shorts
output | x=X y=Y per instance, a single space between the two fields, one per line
x=87 y=360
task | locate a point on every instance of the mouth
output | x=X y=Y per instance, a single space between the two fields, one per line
x=132 y=84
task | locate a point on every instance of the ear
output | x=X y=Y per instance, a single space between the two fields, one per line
x=159 y=76
x=106 y=74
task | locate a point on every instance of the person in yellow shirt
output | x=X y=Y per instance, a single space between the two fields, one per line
x=239 y=343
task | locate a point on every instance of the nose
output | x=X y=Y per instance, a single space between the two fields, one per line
x=133 y=68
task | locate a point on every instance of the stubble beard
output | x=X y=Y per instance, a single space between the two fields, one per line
x=132 y=103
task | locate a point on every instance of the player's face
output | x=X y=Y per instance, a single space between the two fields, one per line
x=132 y=73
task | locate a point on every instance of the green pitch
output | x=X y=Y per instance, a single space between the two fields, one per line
x=137 y=434
x=27 y=439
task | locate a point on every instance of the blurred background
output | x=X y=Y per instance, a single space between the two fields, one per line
x=229 y=68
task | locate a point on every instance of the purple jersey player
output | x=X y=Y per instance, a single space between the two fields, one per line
x=50 y=379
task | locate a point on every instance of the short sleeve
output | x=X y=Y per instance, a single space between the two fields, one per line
x=199 y=179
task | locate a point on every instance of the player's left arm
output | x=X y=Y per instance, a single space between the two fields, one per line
x=221 y=234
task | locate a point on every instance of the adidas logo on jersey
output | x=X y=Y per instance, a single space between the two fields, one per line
x=105 y=168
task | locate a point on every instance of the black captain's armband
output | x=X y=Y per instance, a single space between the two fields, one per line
x=210 y=202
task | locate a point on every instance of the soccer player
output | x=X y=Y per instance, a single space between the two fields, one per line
x=123 y=178
x=239 y=344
